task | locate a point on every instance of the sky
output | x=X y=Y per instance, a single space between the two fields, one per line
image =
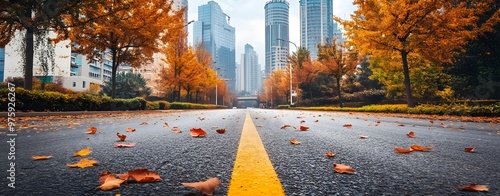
x=247 y=16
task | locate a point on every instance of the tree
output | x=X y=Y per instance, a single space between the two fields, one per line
x=129 y=36
x=208 y=76
x=338 y=61
x=276 y=88
x=128 y=85
x=435 y=29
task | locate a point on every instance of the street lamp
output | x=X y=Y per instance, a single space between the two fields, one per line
x=291 y=91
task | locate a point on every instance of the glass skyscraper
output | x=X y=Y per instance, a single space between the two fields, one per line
x=213 y=31
x=316 y=24
x=277 y=30
x=249 y=72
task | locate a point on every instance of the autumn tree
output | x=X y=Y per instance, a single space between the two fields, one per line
x=128 y=36
x=434 y=29
x=276 y=88
x=208 y=76
x=128 y=85
x=338 y=61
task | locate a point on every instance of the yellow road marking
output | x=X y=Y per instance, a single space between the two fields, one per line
x=253 y=174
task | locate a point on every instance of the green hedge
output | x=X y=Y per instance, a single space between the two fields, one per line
x=186 y=105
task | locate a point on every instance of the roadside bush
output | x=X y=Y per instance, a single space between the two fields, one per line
x=163 y=105
x=283 y=106
x=152 y=105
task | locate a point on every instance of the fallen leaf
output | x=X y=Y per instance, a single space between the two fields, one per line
x=343 y=169
x=402 y=150
x=197 y=132
x=474 y=187
x=144 y=123
x=206 y=187
x=176 y=130
x=121 y=137
x=293 y=141
x=108 y=181
x=125 y=145
x=303 y=128
x=420 y=148
x=166 y=125
x=130 y=129
x=330 y=154
x=82 y=152
x=347 y=125
x=363 y=137
x=470 y=149
x=83 y=163
x=104 y=174
x=41 y=157
x=91 y=130
x=411 y=134
x=316 y=121
x=431 y=121
x=302 y=121
x=285 y=126
x=221 y=131
x=401 y=125
x=144 y=175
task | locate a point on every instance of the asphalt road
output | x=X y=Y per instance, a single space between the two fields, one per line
x=302 y=169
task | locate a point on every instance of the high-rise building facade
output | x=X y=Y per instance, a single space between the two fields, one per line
x=249 y=72
x=217 y=36
x=277 y=34
x=316 y=24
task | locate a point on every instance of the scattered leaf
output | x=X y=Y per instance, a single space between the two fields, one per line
x=401 y=125
x=197 y=132
x=108 y=181
x=293 y=141
x=83 y=163
x=411 y=134
x=144 y=175
x=474 y=187
x=91 y=130
x=420 y=148
x=285 y=126
x=166 y=125
x=41 y=157
x=176 y=130
x=470 y=149
x=206 y=187
x=402 y=150
x=330 y=154
x=82 y=152
x=125 y=145
x=144 y=123
x=316 y=121
x=303 y=128
x=221 y=131
x=431 y=121
x=443 y=125
x=347 y=125
x=121 y=137
x=302 y=121
x=363 y=137
x=343 y=169
x=130 y=129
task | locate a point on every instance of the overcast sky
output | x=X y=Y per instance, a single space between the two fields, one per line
x=247 y=16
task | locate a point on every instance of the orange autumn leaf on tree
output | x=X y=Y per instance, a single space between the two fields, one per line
x=330 y=154
x=121 y=137
x=420 y=148
x=474 y=188
x=91 y=130
x=293 y=141
x=41 y=157
x=82 y=152
x=221 y=131
x=402 y=150
x=144 y=175
x=303 y=128
x=197 y=132
x=206 y=187
x=470 y=149
x=108 y=181
x=83 y=163
x=343 y=169
x=130 y=129
x=125 y=145
x=411 y=134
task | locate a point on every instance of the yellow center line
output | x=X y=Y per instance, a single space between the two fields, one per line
x=253 y=174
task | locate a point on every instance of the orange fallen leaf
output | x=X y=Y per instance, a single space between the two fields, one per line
x=197 y=132
x=343 y=169
x=108 y=181
x=420 y=148
x=83 y=163
x=316 y=121
x=41 y=157
x=130 y=129
x=144 y=123
x=104 y=174
x=144 y=175
x=221 y=131
x=402 y=150
x=91 y=130
x=303 y=128
x=302 y=121
x=443 y=125
x=166 y=125
x=121 y=137
x=206 y=187
x=330 y=154
x=82 y=152
x=431 y=121
x=293 y=141
x=401 y=125
x=363 y=137
x=474 y=187
x=470 y=149
x=125 y=145
x=176 y=130
x=285 y=126
x=347 y=125
x=411 y=134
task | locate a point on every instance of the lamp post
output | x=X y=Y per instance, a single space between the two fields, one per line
x=291 y=91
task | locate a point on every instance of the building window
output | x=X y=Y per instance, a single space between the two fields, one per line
x=83 y=84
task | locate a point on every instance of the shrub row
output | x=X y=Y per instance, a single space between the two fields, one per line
x=186 y=105
x=363 y=98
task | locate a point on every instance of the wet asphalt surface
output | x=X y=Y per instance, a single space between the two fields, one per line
x=303 y=169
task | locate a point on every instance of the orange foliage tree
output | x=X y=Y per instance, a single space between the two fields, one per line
x=435 y=29
x=276 y=88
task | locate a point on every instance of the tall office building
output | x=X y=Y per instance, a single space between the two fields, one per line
x=316 y=24
x=249 y=72
x=213 y=31
x=277 y=30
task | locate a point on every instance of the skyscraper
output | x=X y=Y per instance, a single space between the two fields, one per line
x=213 y=31
x=316 y=24
x=249 y=72
x=276 y=19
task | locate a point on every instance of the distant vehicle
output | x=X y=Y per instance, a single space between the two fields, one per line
x=235 y=108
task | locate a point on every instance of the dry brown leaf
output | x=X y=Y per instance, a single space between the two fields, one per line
x=108 y=181
x=221 y=131
x=420 y=148
x=401 y=125
x=443 y=125
x=474 y=188
x=176 y=130
x=197 y=132
x=302 y=121
x=104 y=174
x=125 y=145
x=347 y=125
x=83 y=163
x=411 y=134
x=144 y=123
x=293 y=141
x=144 y=175
x=330 y=154
x=402 y=150
x=316 y=121
x=91 y=130
x=431 y=121
x=303 y=128
x=166 y=125
x=82 y=152
x=470 y=149
x=121 y=137
x=206 y=187
x=363 y=137
x=41 y=157
x=343 y=169
x=285 y=126
x=130 y=129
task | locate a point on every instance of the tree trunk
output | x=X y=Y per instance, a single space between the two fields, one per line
x=28 y=67
x=178 y=93
x=406 y=72
x=113 y=74
x=338 y=90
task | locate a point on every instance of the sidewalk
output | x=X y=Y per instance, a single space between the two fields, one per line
x=72 y=113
